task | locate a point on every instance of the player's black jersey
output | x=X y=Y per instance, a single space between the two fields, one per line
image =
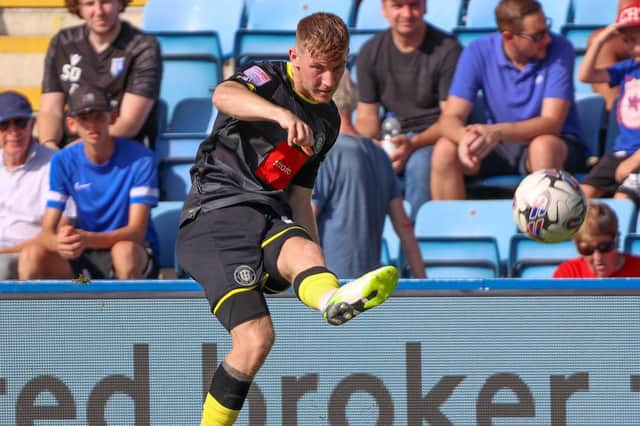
x=132 y=63
x=245 y=161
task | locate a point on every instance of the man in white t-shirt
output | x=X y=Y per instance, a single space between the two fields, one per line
x=24 y=181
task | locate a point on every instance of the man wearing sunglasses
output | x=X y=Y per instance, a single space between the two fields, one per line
x=525 y=74
x=597 y=243
x=24 y=180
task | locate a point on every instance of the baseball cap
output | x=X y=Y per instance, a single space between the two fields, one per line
x=14 y=105
x=87 y=99
x=629 y=16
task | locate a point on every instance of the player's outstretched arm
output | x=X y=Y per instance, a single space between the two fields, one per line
x=236 y=100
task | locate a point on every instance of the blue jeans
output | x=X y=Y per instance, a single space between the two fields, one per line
x=417 y=178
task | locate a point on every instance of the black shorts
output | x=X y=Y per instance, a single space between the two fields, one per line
x=232 y=252
x=98 y=264
x=603 y=175
x=509 y=158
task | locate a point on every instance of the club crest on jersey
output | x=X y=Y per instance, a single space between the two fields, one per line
x=319 y=142
x=117 y=65
x=244 y=275
x=257 y=76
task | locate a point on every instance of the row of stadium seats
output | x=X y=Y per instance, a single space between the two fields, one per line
x=479 y=239
x=457 y=239
x=193 y=118
x=200 y=35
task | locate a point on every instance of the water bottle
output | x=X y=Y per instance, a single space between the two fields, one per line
x=390 y=127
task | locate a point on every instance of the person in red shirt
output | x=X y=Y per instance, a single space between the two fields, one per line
x=597 y=243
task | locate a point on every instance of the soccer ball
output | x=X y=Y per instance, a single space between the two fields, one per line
x=549 y=206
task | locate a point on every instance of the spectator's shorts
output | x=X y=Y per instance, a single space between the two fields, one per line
x=603 y=176
x=232 y=252
x=98 y=264
x=509 y=158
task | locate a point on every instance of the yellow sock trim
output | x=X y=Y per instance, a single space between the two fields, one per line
x=216 y=414
x=314 y=287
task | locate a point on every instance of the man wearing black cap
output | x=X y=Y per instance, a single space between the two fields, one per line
x=24 y=180
x=113 y=183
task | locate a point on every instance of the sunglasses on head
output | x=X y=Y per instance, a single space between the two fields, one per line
x=18 y=122
x=603 y=247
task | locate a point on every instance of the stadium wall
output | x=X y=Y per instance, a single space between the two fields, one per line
x=476 y=352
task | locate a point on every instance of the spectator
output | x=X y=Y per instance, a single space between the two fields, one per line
x=107 y=53
x=357 y=177
x=247 y=227
x=612 y=51
x=597 y=242
x=407 y=70
x=113 y=183
x=24 y=180
x=526 y=76
x=617 y=171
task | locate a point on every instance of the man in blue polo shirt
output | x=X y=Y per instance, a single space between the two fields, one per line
x=525 y=74
x=113 y=182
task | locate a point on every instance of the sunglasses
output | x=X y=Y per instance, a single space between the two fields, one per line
x=18 y=122
x=537 y=37
x=604 y=247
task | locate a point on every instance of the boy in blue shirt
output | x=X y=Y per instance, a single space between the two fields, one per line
x=113 y=182
x=616 y=172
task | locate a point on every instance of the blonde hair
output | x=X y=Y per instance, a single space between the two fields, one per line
x=323 y=35
x=599 y=221
x=346 y=95
x=510 y=13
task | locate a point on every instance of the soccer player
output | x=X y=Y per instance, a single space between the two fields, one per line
x=247 y=227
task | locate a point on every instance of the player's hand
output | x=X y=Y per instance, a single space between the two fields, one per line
x=624 y=169
x=298 y=132
x=69 y=242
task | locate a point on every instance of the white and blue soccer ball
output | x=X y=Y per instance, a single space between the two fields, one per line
x=549 y=205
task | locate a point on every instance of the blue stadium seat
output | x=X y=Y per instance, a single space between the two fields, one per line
x=464 y=238
x=269 y=34
x=190 y=124
x=165 y=217
x=626 y=212
x=587 y=16
x=191 y=115
x=557 y=11
x=368 y=21
x=193 y=76
x=479 y=20
x=533 y=259
x=444 y=14
x=591 y=111
x=174 y=179
x=369 y=16
x=196 y=27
